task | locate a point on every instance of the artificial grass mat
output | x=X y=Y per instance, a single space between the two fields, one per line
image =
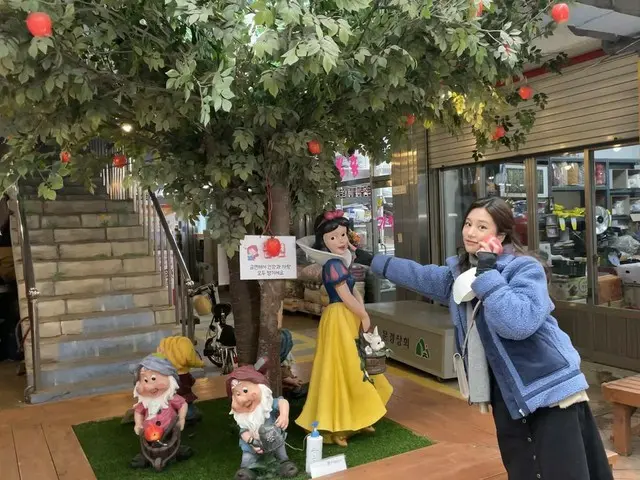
x=110 y=446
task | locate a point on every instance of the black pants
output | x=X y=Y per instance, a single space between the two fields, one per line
x=551 y=443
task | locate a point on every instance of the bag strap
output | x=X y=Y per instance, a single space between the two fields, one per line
x=463 y=352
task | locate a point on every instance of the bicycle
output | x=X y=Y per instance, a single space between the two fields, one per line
x=220 y=343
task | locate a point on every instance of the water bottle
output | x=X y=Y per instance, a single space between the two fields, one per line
x=314 y=447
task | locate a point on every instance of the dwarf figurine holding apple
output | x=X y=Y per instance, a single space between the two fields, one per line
x=160 y=413
x=262 y=420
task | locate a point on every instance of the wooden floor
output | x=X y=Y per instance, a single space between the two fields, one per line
x=38 y=443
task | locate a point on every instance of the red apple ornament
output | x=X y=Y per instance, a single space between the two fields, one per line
x=411 y=119
x=494 y=244
x=560 y=13
x=498 y=133
x=314 y=147
x=525 y=92
x=39 y=24
x=272 y=247
x=119 y=160
x=480 y=9
x=65 y=157
x=153 y=433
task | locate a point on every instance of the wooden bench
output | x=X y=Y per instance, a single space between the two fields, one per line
x=624 y=395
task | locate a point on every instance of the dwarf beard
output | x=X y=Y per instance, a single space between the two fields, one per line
x=254 y=420
x=155 y=405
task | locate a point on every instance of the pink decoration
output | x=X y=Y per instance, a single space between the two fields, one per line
x=354 y=165
x=340 y=166
x=333 y=215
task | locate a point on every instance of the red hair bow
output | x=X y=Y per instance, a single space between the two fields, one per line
x=333 y=215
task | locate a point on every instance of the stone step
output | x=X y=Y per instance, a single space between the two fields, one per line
x=108 y=384
x=101 y=322
x=88 y=346
x=91 y=303
x=82 y=370
x=88 y=267
x=66 y=207
x=89 y=250
x=49 y=236
x=83 y=220
x=97 y=283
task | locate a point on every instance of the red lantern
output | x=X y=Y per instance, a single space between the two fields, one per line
x=525 y=92
x=65 y=157
x=153 y=433
x=272 y=247
x=411 y=119
x=314 y=147
x=119 y=160
x=39 y=24
x=560 y=13
x=498 y=133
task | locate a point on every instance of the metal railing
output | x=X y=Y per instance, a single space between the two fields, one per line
x=163 y=245
x=17 y=211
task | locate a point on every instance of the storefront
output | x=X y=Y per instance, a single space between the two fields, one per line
x=575 y=192
x=365 y=196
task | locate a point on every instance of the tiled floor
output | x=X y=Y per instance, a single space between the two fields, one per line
x=37 y=442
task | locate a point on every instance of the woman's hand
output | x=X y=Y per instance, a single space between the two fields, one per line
x=366 y=323
x=362 y=256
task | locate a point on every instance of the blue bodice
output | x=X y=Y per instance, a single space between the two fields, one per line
x=333 y=274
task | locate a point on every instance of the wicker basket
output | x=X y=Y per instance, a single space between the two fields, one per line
x=375 y=364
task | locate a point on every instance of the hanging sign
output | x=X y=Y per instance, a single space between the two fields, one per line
x=260 y=261
x=356 y=191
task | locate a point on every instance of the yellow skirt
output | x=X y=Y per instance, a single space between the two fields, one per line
x=338 y=399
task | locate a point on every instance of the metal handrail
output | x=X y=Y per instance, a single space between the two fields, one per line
x=31 y=291
x=162 y=243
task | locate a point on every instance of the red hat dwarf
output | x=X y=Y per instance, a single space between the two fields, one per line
x=248 y=373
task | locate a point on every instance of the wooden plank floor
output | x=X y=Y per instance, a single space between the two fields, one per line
x=38 y=443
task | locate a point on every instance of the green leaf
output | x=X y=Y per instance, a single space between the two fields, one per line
x=49 y=84
x=55 y=181
x=33 y=48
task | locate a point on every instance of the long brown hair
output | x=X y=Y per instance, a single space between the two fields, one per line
x=502 y=216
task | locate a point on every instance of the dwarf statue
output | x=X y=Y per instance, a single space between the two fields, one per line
x=182 y=354
x=160 y=413
x=262 y=419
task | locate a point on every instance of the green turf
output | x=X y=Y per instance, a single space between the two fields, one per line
x=110 y=446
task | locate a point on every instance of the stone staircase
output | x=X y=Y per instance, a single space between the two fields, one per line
x=102 y=306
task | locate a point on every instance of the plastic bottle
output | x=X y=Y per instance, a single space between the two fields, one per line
x=314 y=447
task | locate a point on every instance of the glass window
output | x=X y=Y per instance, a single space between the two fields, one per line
x=355 y=201
x=459 y=191
x=561 y=225
x=462 y=186
x=382 y=169
x=383 y=204
x=617 y=225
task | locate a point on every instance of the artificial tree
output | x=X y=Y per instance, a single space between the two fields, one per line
x=221 y=100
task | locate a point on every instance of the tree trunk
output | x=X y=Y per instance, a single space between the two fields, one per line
x=245 y=302
x=272 y=294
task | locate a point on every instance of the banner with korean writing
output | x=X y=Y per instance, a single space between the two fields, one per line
x=257 y=262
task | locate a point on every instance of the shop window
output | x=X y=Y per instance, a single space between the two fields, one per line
x=617 y=226
x=355 y=201
x=561 y=225
x=382 y=169
x=460 y=188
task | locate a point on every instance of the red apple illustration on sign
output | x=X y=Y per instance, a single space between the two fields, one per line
x=273 y=247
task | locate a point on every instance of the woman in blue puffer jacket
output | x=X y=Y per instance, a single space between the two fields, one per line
x=511 y=352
